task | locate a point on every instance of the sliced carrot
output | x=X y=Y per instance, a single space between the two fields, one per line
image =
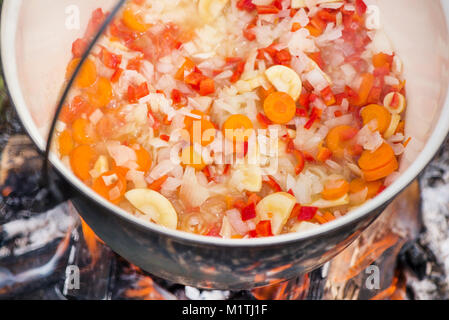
x=188 y=121
x=207 y=131
x=381 y=172
x=339 y=139
x=377 y=159
x=187 y=67
x=191 y=158
x=378 y=113
x=382 y=60
x=87 y=75
x=359 y=184
x=117 y=184
x=335 y=189
x=101 y=94
x=238 y=127
x=83 y=131
x=143 y=159
x=65 y=143
x=82 y=160
x=157 y=184
x=133 y=21
x=280 y=107
x=365 y=89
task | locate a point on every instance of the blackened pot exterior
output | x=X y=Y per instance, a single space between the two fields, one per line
x=216 y=266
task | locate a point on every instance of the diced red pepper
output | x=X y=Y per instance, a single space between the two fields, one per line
x=360 y=7
x=246 y=5
x=164 y=137
x=307 y=213
x=273 y=184
x=252 y=234
x=194 y=78
x=270 y=9
x=304 y=99
x=351 y=95
x=176 y=96
x=328 y=96
x=137 y=92
x=263 y=229
x=282 y=57
x=301 y=162
x=263 y=120
x=248 y=33
x=249 y=212
x=301 y=112
x=316 y=56
x=314 y=116
x=395 y=101
x=296 y=209
x=116 y=76
x=207 y=87
x=79 y=47
x=327 y=15
x=238 y=72
x=214 y=232
x=110 y=59
x=374 y=95
x=97 y=19
x=134 y=64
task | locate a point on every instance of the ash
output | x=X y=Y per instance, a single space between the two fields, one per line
x=431 y=252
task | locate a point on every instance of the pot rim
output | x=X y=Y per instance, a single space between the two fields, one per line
x=9 y=15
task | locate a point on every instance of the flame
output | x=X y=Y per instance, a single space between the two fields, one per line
x=91 y=240
x=288 y=290
x=372 y=254
x=145 y=290
x=396 y=291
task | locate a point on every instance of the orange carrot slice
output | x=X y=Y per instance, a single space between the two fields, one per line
x=134 y=21
x=87 y=75
x=238 y=122
x=65 y=143
x=365 y=89
x=377 y=159
x=359 y=184
x=101 y=94
x=378 y=113
x=339 y=139
x=381 y=172
x=191 y=158
x=116 y=181
x=82 y=160
x=280 y=107
x=382 y=60
x=335 y=189
x=207 y=133
x=83 y=132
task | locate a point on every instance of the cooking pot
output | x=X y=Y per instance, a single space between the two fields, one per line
x=36 y=38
